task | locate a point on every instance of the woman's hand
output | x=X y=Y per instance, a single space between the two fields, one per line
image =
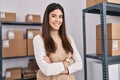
x=70 y=59
x=65 y=72
x=66 y=64
x=47 y=59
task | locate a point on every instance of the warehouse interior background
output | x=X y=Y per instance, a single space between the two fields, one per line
x=73 y=18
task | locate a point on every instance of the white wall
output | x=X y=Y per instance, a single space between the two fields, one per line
x=73 y=12
x=96 y=69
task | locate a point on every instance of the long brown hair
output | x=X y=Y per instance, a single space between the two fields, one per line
x=48 y=41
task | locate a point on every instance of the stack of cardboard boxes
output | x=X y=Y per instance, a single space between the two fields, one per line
x=113 y=39
x=15 y=45
x=94 y=2
x=25 y=73
x=31 y=70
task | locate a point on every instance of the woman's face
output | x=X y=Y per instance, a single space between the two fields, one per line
x=56 y=19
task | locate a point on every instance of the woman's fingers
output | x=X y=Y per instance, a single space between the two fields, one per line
x=46 y=58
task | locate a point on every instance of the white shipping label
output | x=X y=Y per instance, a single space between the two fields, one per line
x=2 y=15
x=11 y=35
x=30 y=17
x=115 y=45
x=8 y=74
x=30 y=35
x=5 y=43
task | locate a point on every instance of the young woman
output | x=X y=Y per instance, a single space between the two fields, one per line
x=55 y=51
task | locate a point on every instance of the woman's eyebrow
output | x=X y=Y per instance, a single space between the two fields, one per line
x=53 y=14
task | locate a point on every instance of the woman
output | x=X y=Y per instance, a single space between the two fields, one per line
x=55 y=51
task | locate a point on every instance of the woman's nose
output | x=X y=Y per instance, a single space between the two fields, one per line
x=57 y=18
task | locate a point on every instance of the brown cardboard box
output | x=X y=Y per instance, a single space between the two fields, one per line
x=13 y=73
x=28 y=74
x=113 y=31
x=93 y=2
x=30 y=34
x=30 y=50
x=33 y=18
x=32 y=65
x=113 y=47
x=14 y=48
x=15 y=34
x=7 y=16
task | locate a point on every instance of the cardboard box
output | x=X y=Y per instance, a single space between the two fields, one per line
x=94 y=2
x=30 y=35
x=15 y=34
x=13 y=73
x=32 y=65
x=14 y=48
x=33 y=18
x=8 y=16
x=113 y=31
x=30 y=50
x=28 y=74
x=113 y=47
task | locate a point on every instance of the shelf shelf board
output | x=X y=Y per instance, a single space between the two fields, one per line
x=16 y=57
x=21 y=23
x=114 y=58
x=99 y=57
x=94 y=56
x=112 y=9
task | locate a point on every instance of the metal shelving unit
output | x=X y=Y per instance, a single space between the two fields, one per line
x=12 y=23
x=103 y=9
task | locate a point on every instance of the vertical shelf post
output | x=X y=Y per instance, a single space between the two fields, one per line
x=0 y=50
x=84 y=45
x=104 y=41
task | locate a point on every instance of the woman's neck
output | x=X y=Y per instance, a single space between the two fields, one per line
x=54 y=32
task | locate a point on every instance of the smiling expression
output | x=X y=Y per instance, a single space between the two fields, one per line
x=56 y=19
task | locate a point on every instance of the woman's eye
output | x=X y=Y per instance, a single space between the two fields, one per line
x=53 y=15
x=60 y=16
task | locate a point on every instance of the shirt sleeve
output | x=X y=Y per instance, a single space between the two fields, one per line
x=48 y=69
x=78 y=60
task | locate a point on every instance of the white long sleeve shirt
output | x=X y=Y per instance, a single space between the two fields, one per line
x=50 y=69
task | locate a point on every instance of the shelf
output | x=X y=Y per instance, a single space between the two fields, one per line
x=109 y=63
x=17 y=57
x=99 y=57
x=94 y=56
x=13 y=24
x=103 y=9
x=112 y=9
x=21 y=23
